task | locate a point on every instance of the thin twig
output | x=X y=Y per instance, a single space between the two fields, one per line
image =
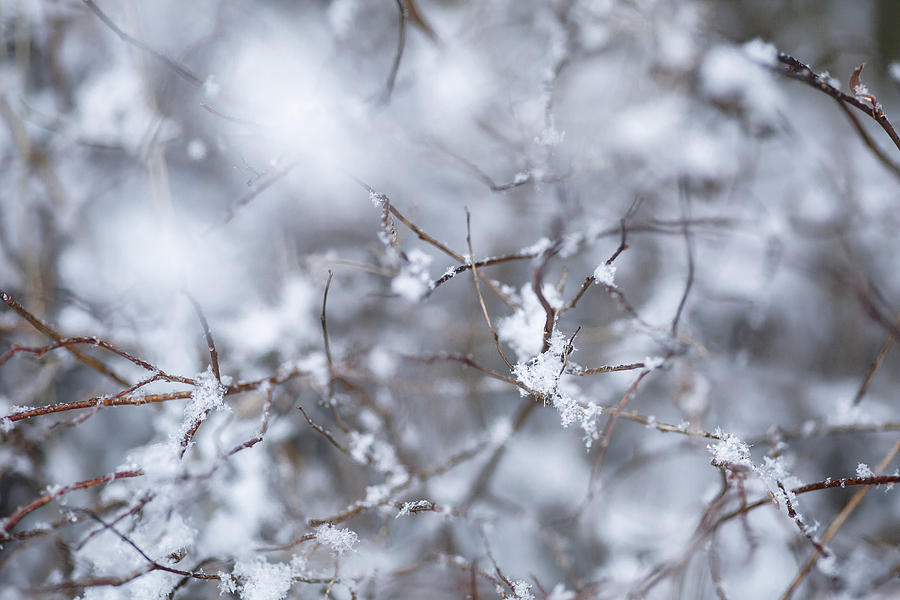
x=537 y=284
x=157 y=566
x=606 y=369
x=251 y=195
x=49 y=331
x=93 y=402
x=236 y=388
x=398 y=55
x=182 y=71
x=685 y=210
x=210 y=343
x=484 y=310
x=873 y=368
x=868 y=141
x=623 y=246
x=468 y=361
x=264 y=426
x=793 y=68
x=38 y=352
x=324 y=323
x=840 y=520
x=607 y=431
x=792 y=513
x=327 y=434
x=50 y=495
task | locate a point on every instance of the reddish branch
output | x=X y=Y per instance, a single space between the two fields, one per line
x=50 y=495
x=607 y=431
x=210 y=343
x=812 y=487
x=50 y=332
x=793 y=68
x=122 y=400
x=94 y=402
x=484 y=310
x=793 y=514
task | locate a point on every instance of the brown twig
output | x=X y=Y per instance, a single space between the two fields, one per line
x=537 y=284
x=685 y=209
x=93 y=402
x=868 y=141
x=324 y=323
x=210 y=343
x=50 y=495
x=155 y=565
x=606 y=369
x=470 y=362
x=484 y=310
x=607 y=431
x=789 y=506
x=793 y=68
x=295 y=542
x=50 y=332
x=327 y=434
x=873 y=368
x=236 y=388
x=251 y=195
x=842 y=518
x=182 y=71
x=39 y=352
x=264 y=426
x=398 y=55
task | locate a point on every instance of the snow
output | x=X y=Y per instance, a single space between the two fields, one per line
x=728 y=75
x=550 y=137
x=542 y=372
x=652 y=363
x=413 y=280
x=522 y=590
x=208 y=395
x=524 y=329
x=730 y=450
x=409 y=508
x=863 y=470
x=762 y=52
x=261 y=580
x=605 y=274
x=559 y=592
x=894 y=71
x=197 y=149
x=341 y=15
x=338 y=540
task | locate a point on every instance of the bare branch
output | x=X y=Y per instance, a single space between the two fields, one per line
x=210 y=343
x=17 y=516
x=181 y=70
x=793 y=68
x=484 y=310
x=49 y=331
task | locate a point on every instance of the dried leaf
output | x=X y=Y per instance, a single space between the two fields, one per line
x=859 y=89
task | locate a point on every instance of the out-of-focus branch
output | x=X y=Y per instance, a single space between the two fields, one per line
x=484 y=310
x=251 y=195
x=181 y=70
x=876 y=364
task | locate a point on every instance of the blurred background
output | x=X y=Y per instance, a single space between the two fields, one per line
x=246 y=154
